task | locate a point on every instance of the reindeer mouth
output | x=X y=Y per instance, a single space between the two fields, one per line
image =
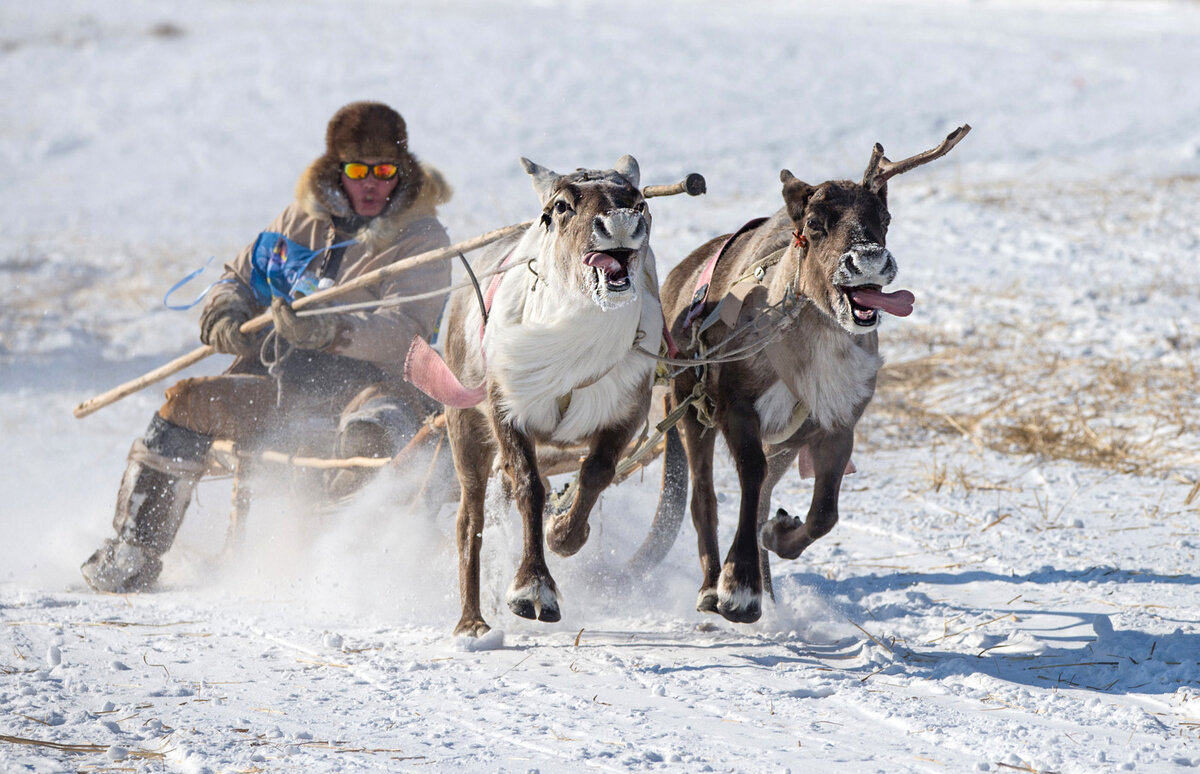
x=612 y=268
x=867 y=301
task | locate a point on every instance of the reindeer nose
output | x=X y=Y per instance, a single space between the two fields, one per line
x=870 y=260
x=624 y=228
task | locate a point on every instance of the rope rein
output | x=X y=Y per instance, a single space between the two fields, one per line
x=743 y=342
x=772 y=320
x=399 y=300
x=761 y=332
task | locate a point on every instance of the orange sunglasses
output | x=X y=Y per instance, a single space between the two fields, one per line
x=358 y=170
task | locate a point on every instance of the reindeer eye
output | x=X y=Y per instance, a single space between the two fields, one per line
x=814 y=225
x=560 y=207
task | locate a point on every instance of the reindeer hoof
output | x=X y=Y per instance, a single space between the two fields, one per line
x=749 y=613
x=523 y=607
x=535 y=600
x=779 y=535
x=564 y=541
x=747 y=616
x=707 y=601
x=471 y=627
x=527 y=609
x=738 y=601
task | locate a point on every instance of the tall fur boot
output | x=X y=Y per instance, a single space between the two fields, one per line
x=161 y=473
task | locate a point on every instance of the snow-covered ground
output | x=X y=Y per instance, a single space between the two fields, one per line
x=1014 y=585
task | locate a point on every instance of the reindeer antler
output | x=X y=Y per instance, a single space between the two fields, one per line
x=880 y=169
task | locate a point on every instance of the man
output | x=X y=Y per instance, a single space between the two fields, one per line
x=366 y=203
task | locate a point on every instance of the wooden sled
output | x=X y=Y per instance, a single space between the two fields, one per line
x=226 y=460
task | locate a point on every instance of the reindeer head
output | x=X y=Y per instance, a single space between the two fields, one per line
x=597 y=231
x=841 y=233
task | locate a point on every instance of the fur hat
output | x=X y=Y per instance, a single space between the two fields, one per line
x=358 y=131
x=364 y=130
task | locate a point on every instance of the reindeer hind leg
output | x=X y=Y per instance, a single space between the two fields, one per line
x=699 y=446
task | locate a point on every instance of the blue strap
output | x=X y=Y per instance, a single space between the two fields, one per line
x=184 y=307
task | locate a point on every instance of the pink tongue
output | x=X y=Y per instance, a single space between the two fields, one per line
x=899 y=303
x=602 y=261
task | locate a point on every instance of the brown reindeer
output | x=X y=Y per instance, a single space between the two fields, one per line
x=555 y=356
x=801 y=291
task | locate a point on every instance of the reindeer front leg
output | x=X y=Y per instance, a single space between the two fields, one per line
x=568 y=532
x=779 y=460
x=785 y=534
x=473 y=453
x=739 y=591
x=533 y=593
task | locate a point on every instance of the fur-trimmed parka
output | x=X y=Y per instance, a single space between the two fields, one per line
x=322 y=216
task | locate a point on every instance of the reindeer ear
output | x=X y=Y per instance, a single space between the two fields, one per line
x=627 y=167
x=795 y=194
x=793 y=185
x=543 y=179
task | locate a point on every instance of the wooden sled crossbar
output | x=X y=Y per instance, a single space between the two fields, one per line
x=227 y=460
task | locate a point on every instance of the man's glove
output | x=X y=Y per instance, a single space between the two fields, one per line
x=220 y=327
x=316 y=332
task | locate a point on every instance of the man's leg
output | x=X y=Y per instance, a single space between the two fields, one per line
x=163 y=469
x=378 y=422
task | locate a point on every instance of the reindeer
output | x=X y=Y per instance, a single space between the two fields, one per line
x=552 y=348
x=804 y=287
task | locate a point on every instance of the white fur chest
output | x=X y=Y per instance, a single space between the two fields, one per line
x=830 y=374
x=541 y=348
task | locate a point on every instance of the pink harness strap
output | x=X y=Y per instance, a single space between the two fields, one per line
x=425 y=369
x=701 y=292
x=493 y=286
x=672 y=350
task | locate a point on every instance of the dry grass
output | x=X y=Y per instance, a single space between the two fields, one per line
x=1007 y=391
x=1115 y=207
x=1009 y=387
x=81 y=748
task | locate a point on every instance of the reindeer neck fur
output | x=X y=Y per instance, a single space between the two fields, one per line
x=832 y=370
x=545 y=339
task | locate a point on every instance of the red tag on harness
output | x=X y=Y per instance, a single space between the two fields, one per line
x=801 y=240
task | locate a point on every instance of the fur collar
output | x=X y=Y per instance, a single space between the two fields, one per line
x=420 y=191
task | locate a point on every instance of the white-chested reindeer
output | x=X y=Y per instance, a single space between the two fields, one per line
x=815 y=271
x=556 y=362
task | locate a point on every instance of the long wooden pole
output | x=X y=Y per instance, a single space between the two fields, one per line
x=692 y=185
x=263 y=320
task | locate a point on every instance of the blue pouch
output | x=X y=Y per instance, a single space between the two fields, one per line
x=278 y=267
